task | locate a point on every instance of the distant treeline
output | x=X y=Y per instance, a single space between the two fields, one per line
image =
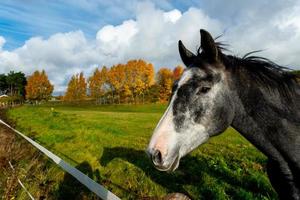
x=132 y=82
x=13 y=85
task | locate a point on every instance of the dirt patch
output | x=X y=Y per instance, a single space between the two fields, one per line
x=6 y=139
x=8 y=181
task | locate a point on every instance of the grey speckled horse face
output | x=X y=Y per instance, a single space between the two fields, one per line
x=200 y=107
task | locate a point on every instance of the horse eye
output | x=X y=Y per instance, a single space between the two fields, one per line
x=203 y=90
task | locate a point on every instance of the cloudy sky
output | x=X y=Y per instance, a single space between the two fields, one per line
x=66 y=37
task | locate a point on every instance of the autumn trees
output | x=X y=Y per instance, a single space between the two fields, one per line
x=77 y=88
x=177 y=72
x=132 y=82
x=139 y=77
x=165 y=78
x=38 y=87
x=122 y=83
x=35 y=87
x=97 y=83
x=164 y=81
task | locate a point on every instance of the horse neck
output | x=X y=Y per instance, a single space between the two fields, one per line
x=262 y=118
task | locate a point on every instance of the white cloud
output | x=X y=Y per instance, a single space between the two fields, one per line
x=172 y=15
x=61 y=55
x=276 y=33
x=112 y=39
x=153 y=35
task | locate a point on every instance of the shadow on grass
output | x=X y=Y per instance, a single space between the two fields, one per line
x=70 y=188
x=192 y=171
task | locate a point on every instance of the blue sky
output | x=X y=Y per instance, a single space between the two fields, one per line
x=21 y=20
x=65 y=37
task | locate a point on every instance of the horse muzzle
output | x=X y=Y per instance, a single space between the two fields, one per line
x=163 y=163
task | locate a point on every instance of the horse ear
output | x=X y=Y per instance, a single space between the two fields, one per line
x=208 y=45
x=186 y=55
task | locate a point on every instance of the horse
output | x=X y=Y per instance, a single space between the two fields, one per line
x=255 y=96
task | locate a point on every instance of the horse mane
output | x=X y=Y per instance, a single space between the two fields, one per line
x=261 y=71
x=264 y=73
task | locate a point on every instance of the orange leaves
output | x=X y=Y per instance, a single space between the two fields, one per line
x=122 y=83
x=77 y=87
x=140 y=76
x=38 y=87
x=117 y=77
x=132 y=82
x=177 y=72
x=165 y=81
x=97 y=81
x=123 y=80
x=165 y=78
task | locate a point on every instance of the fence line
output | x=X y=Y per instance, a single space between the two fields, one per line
x=98 y=189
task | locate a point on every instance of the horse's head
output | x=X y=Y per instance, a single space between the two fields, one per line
x=201 y=106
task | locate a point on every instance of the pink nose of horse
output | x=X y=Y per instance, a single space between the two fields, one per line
x=155 y=156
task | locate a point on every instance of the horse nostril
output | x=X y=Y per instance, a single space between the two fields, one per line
x=156 y=157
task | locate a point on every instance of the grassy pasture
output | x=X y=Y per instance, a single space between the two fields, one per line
x=108 y=143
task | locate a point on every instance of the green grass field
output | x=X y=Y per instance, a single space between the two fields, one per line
x=108 y=143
